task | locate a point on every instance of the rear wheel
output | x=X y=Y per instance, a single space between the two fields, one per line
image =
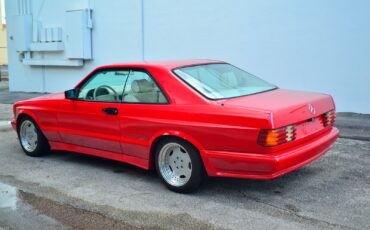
x=32 y=141
x=179 y=165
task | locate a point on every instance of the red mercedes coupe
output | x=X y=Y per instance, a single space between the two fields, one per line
x=187 y=119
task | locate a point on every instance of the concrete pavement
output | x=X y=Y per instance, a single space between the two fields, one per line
x=68 y=190
x=331 y=193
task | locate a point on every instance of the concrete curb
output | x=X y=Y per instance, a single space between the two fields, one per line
x=354 y=126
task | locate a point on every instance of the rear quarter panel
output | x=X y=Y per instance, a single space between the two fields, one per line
x=208 y=127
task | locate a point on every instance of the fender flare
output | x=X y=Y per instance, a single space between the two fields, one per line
x=29 y=113
x=178 y=134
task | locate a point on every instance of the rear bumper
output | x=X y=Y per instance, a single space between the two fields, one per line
x=268 y=166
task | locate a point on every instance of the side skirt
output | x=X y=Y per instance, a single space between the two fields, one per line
x=140 y=162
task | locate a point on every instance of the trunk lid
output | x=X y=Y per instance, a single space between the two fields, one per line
x=288 y=107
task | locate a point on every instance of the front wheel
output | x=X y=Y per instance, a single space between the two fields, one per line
x=32 y=141
x=179 y=165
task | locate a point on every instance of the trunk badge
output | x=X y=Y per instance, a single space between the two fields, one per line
x=311 y=109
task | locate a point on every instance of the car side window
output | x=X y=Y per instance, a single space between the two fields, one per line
x=104 y=86
x=141 y=88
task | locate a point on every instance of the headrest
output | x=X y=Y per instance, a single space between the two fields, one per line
x=142 y=86
x=229 y=79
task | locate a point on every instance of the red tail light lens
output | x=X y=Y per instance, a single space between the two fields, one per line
x=14 y=111
x=274 y=137
x=328 y=118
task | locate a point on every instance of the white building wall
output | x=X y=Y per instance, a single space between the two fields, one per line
x=309 y=45
x=116 y=37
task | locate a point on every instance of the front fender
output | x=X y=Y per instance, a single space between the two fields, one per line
x=44 y=117
x=21 y=112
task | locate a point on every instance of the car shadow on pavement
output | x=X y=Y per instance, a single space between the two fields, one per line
x=99 y=163
x=291 y=193
x=250 y=188
x=211 y=185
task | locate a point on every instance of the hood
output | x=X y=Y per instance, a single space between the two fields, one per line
x=49 y=96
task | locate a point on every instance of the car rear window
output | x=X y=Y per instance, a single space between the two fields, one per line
x=221 y=80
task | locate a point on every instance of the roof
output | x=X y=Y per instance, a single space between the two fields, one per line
x=171 y=64
x=168 y=64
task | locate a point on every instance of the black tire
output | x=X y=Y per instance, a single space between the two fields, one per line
x=42 y=146
x=197 y=167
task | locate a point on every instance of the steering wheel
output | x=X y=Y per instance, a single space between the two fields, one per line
x=115 y=94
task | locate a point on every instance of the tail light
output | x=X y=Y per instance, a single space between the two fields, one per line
x=14 y=111
x=274 y=137
x=328 y=118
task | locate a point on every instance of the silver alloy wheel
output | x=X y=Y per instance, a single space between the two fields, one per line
x=175 y=164
x=28 y=136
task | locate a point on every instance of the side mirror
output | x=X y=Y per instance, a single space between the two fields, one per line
x=71 y=94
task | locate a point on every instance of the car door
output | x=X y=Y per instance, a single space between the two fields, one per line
x=92 y=120
x=143 y=103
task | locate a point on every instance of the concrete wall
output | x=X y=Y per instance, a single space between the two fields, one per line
x=309 y=45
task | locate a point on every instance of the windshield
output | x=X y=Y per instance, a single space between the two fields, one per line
x=222 y=80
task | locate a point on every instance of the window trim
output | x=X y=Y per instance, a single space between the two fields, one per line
x=218 y=99
x=92 y=74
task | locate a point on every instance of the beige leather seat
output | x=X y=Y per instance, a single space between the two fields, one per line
x=143 y=91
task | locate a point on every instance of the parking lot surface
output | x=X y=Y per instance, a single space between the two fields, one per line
x=69 y=190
